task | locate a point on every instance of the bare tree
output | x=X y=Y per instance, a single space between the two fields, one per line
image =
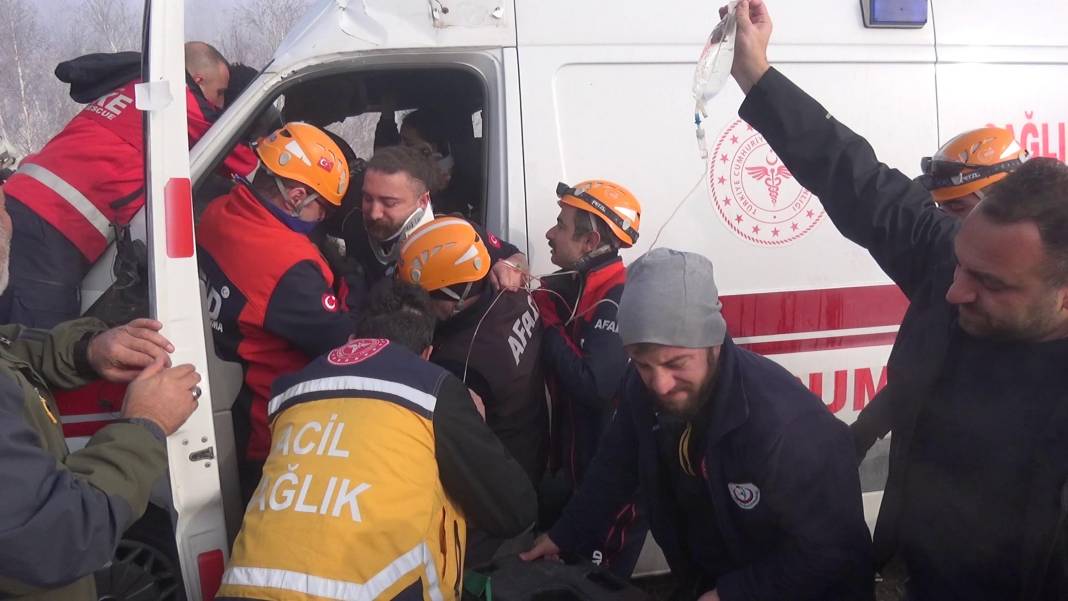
x=257 y=28
x=114 y=22
x=32 y=108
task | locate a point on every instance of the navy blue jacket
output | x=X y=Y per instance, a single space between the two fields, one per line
x=891 y=216
x=780 y=473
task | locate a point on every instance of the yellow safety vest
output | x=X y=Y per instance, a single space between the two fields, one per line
x=350 y=505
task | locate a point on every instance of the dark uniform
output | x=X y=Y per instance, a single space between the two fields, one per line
x=271 y=303
x=585 y=363
x=62 y=513
x=757 y=496
x=504 y=369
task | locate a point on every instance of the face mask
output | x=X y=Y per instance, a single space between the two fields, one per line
x=294 y=223
x=293 y=220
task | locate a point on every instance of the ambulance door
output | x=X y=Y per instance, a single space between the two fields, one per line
x=606 y=93
x=175 y=295
x=1009 y=72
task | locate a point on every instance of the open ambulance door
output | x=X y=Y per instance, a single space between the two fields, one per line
x=174 y=295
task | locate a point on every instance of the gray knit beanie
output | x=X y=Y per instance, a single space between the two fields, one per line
x=670 y=298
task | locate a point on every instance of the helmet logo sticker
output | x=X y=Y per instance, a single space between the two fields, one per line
x=326 y=164
x=754 y=193
x=745 y=495
x=330 y=302
x=296 y=150
x=356 y=351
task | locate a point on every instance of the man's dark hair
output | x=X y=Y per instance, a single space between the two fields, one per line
x=396 y=159
x=586 y=222
x=1036 y=192
x=399 y=312
x=431 y=127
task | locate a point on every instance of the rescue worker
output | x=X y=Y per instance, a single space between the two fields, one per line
x=746 y=478
x=975 y=504
x=491 y=340
x=396 y=200
x=68 y=200
x=379 y=461
x=581 y=350
x=271 y=295
x=960 y=174
x=62 y=513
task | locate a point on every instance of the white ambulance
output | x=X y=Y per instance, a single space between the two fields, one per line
x=557 y=90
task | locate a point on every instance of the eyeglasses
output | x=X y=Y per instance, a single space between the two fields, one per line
x=944 y=174
x=563 y=189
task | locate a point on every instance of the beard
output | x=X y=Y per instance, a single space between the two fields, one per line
x=1033 y=324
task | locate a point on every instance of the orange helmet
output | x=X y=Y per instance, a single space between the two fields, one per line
x=303 y=153
x=609 y=202
x=970 y=162
x=442 y=253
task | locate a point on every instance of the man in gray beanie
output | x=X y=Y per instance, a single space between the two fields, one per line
x=748 y=482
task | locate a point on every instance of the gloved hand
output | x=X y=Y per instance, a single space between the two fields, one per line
x=546 y=303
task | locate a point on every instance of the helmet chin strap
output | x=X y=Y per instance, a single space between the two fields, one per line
x=312 y=197
x=461 y=299
x=585 y=260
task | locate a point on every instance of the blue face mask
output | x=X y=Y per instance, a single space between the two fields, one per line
x=294 y=223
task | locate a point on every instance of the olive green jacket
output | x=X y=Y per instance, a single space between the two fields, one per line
x=62 y=513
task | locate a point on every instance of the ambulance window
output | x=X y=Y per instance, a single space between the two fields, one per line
x=367 y=109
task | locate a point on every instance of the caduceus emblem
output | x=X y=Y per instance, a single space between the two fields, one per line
x=772 y=174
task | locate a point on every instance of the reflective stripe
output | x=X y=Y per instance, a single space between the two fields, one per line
x=339 y=589
x=424 y=400
x=69 y=193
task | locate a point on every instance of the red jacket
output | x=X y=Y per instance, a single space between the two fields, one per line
x=270 y=301
x=91 y=174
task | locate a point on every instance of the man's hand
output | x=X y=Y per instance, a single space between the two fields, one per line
x=543 y=299
x=751 y=42
x=480 y=405
x=709 y=596
x=119 y=354
x=162 y=395
x=510 y=274
x=544 y=548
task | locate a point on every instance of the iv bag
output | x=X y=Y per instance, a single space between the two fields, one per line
x=714 y=66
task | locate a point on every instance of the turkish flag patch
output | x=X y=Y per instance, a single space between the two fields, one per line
x=356 y=351
x=330 y=303
x=326 y=164
x=494 y=241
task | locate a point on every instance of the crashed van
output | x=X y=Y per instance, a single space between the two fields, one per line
x=543 y=91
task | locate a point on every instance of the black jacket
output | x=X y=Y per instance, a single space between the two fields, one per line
x=887 y=213
x=777 y=466
x=494 y=346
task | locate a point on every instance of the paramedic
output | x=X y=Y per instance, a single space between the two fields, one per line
x=393 y=460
